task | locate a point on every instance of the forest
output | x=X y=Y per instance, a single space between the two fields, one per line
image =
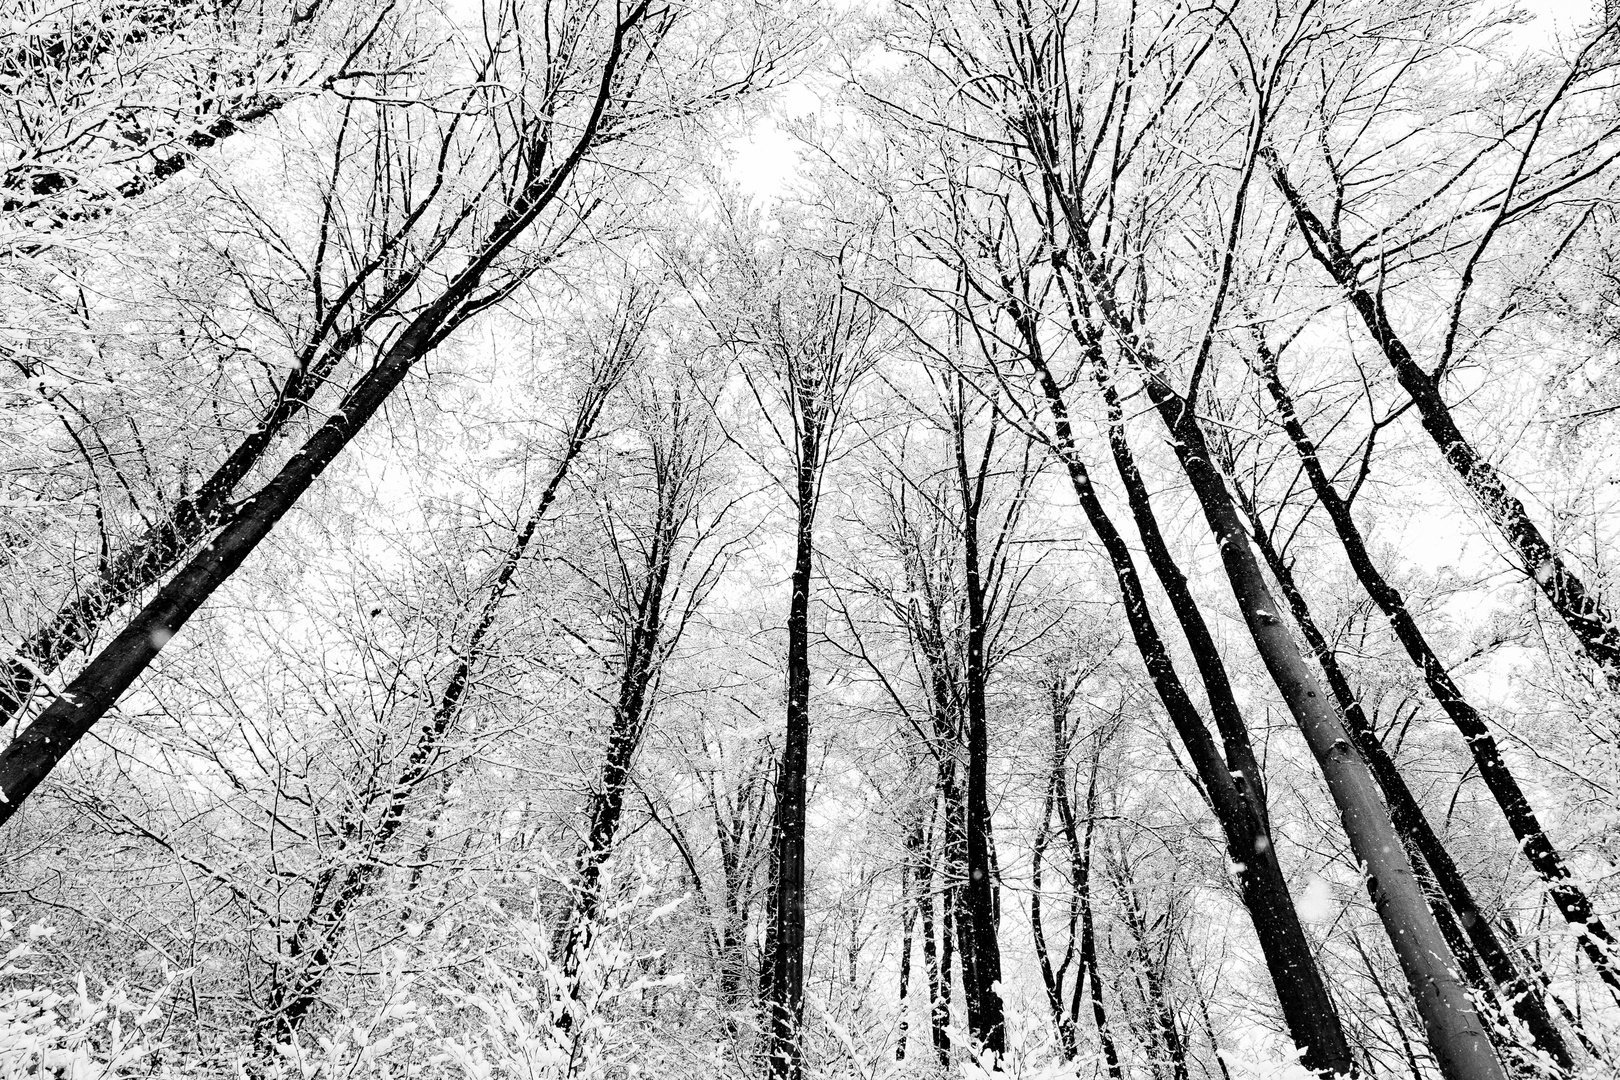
x=871 y=539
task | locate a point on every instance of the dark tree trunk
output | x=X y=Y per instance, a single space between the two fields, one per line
x=143 y=562
x=939 y=986
x=1581 y=607
x=629 y=721
x=908 y=917
x=1051 y=976
x=981 y=952
x=785 y=957
x=1081 y=850
x=30 y=757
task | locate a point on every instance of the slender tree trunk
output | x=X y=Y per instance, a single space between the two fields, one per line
x=1080 y=850
x=981 y=952
x=939 y=986
x=908 y=916
x=1150 y=968
x=314 y=939
x=1051 y=977
x=1572 y=901
x=785 y=959
x=1580 y=606
x=629 y=721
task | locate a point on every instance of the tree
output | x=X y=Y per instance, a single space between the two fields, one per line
x=1555 y=157
x=598 y=72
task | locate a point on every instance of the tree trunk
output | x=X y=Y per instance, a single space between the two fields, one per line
x=629 y=721
x=30 y=757
x=161 y=546
x=1051 y=977
x=317 y=931
x=1080 y=851
x=1413 y=825
x=785 y=959
x=939 y=984
x=1313 y=1023
x=1150 y=969
x=981 y=952
x=1581 y=607
x=908 y=918
x=1572 y=901
x=1456 y=1035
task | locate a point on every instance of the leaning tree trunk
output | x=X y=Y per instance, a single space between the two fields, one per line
x=1312 y=1020
x=1581 y=607
x=31 y=756
x=1527 y=1004
x=629 y=721
x=315 y=937
x=1456 y=1035
x=1572 y=901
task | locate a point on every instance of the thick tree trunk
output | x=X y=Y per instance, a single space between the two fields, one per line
x=30 y=757
x=145 y=560
x=1581 y=607
x=1572 y=901
x=1527 y=1002
x=1456 y=1035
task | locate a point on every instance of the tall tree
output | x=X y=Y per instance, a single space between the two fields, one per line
x=597 y=72
x=804 y=339
x=1548 y=152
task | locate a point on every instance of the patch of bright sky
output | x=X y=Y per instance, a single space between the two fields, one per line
x=765 y=161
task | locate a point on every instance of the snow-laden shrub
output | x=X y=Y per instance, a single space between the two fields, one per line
x=75 y=1034
x=521 y=1010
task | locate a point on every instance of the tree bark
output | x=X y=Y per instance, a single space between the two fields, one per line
x=1526 y=1002
x=1456 y=1034
x=316 y=934
x=1051 y=976
x=981 y=953
x=785 y=959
